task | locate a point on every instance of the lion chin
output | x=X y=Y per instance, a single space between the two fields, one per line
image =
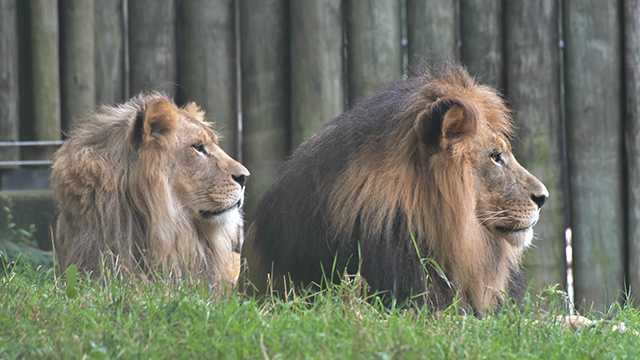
x=130 y=182
x=415 y=188
x=519 y=235
x=220 y=215
x=521 y=238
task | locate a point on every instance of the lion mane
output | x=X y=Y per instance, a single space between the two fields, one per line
x=112 y=180
x=379 y=191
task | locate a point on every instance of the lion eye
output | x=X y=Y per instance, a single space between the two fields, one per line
x=199 y=147
x=497 y=158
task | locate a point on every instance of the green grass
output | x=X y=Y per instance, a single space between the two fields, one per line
x=46 y=315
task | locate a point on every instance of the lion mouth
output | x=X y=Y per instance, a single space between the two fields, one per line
x=515 y=227
x=512 y=230
x=208 y=214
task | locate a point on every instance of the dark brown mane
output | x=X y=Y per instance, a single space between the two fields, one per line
x=367 y=185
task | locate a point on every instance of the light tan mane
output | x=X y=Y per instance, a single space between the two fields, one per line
x=117 y=203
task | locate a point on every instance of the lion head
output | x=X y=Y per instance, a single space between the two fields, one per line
x=472 y=131
x=420 y=171
x=146 y=186
x=508 y=197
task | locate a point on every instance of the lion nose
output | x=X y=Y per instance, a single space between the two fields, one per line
x=540 y=198
x=240 y=179
x=238 y=172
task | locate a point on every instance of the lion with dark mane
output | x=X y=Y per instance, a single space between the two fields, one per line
x=145 y=187
x=415 y=187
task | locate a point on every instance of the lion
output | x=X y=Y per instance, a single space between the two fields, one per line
x=415 y=188
x=145 y=187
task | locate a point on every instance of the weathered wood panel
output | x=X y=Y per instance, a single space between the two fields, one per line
x=110 y=41
x=432 y=30
x=593 y=72
x=45 y=75
x=265 y=95
x=8 y=77
x=77 y=59
x=481 y=37
x=632 y=132
x=374 y=45
x=207 y=64
x=533 y=89
x=152 y=39
x=317 y=85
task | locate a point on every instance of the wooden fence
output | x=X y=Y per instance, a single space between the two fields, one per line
x=270 y=72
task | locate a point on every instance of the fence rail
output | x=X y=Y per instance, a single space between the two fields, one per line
x=270 y=72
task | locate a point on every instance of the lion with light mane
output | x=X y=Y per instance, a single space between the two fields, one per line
x=415 y=187
x=145 y=186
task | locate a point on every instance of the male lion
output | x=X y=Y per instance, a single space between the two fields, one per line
x=144 y=186
x=416 y=187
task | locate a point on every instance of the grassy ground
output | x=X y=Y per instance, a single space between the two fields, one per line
x=44 y=315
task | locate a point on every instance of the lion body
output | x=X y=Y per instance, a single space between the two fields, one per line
x=119 y=201
x=364 y=195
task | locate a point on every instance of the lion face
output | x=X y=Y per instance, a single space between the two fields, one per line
x=509 y=197
x=208 y=182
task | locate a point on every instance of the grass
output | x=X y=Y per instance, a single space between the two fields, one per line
x=45 y=315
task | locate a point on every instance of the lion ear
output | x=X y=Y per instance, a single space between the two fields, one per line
x=446 y=122
x=156 y=124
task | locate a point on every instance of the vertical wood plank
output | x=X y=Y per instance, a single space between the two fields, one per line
x=45 y=86
x=207 y=64
x=110 y=51
x=265 y=102
x=481 y=33
x=78 y=64
x=632 y=132
x=594 y=132
x=533 y=89
x=432 y=30
x=152 y=39
x=316 y=65
x=374 y=45
x=8 y=77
